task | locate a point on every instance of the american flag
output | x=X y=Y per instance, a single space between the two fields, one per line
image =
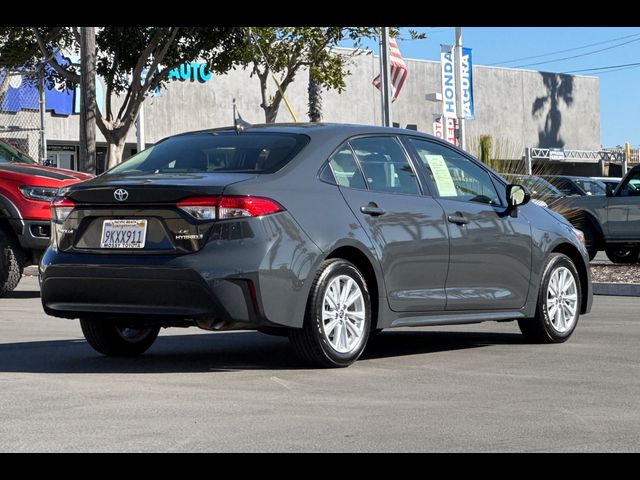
x=398 y=71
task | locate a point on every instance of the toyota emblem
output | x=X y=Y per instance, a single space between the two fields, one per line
x=121 y=194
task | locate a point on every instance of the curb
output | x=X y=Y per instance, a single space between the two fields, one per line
x=31 y=271
x=617 y=289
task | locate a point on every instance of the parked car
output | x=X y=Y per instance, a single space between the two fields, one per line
x=610 y=223
x=570 y=185
x=325 y=233
x=610 y=183
x=540 y=189
x=26 y=190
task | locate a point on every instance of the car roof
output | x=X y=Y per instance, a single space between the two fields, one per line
x=308 y=128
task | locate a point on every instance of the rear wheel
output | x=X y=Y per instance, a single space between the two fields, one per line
x=116 y=340
x=559 y=301
x=338 y=317
x=12 y=262
x=622 y=255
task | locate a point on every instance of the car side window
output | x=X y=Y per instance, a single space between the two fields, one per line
x=455 y=176
x=345 y=169
x=385 y=166
x=564 y=186
x=632 y=187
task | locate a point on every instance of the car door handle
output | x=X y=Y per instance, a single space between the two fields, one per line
x=372 y=209
x=458 y=219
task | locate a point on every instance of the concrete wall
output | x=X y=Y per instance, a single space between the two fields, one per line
x=524 y=108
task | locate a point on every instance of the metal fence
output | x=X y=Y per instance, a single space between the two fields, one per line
x=611 y=156
x=634 y=156
x=22 y=111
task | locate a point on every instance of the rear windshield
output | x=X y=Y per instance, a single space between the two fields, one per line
x=219 y=152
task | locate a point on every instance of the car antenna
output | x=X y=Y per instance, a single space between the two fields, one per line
x=239 y=124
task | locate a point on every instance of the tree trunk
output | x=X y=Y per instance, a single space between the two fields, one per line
x=87 y=157
x=314 y=91
x=271 y=113
x=115 y=149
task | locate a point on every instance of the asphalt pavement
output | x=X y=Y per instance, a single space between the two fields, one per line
x=462 y=388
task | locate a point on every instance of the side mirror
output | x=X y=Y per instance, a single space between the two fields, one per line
x=610 y=189
x=516 y=195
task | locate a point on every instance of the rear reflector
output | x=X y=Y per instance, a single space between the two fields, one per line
x=61 y=208
x=219 y=208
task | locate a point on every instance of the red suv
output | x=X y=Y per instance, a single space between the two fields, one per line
x=26 y=188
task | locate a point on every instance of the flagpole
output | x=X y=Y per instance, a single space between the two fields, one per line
x=385 y=73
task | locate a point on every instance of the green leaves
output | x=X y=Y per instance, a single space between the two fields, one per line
x=284 y=51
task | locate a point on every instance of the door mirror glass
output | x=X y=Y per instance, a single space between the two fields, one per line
x=517 y=195
x=610 y=189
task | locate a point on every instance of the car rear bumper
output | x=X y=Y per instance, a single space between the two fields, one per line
x=73 y=291
x=256 y=281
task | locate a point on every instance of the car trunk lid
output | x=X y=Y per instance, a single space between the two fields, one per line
x=138 y=215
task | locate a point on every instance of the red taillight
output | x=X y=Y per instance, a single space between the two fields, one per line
x=210 y=208
x=61 y=208
x=232 y=207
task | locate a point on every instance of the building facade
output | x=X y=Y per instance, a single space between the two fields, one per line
x=520 y=108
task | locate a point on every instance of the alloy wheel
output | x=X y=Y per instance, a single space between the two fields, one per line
x=562 y=300
x=343 y=314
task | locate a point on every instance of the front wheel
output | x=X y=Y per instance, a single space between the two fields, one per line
x=338 y=317
x=12 y=262
x=116 y=340
x=559 y=301
x=591 y=240
x=622 y=255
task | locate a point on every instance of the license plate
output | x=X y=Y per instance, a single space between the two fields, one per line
x=123 y=234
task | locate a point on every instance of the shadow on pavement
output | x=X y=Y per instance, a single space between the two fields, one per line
x=398 y=343
x=222 y=352
x=23 y=294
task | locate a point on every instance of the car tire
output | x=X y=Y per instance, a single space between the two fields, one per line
x=560 y=284
x=12 y=262
x=622 y=255
x=337 y=319
x=116 y=340
x=591 y=240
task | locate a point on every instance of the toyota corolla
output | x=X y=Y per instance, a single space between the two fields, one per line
x=325 y=233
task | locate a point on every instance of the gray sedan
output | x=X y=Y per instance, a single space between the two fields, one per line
x=325 y=233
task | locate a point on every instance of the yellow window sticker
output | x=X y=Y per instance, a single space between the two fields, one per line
x=441 y=175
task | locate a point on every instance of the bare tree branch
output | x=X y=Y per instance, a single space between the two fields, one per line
x=132 y=93
x=51 y=60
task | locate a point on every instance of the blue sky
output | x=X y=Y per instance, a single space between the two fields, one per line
x=619 y=88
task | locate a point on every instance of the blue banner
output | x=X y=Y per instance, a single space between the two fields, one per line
x=466 y=72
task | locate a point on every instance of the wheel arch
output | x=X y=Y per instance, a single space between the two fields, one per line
x=579 y=218
x=589 y=218
x=10 y=218
x=365 y=265
x=576 y=257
